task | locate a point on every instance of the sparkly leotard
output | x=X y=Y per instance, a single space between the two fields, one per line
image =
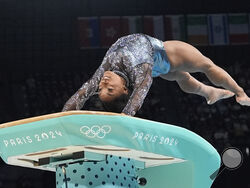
x=134 y=56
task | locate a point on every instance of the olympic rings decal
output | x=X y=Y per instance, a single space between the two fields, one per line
x=95 y=131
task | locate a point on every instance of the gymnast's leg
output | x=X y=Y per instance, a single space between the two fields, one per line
x=190 y=85
x=186 y=58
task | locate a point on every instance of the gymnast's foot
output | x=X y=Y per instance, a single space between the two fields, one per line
x=218 y=94
x=243 y=99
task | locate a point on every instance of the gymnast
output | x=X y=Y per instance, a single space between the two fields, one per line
x=124 y=78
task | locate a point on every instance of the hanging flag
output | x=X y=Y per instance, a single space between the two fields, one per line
x=218 y=29
x=197 y=29
x=154 y=26
x=88 y=29
x=175 y=27
x=238 y=28
x=131 y=24
x=110 y=30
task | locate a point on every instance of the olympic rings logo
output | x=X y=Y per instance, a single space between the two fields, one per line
x=95 y=131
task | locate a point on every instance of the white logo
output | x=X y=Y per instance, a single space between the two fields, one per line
x=95 y=131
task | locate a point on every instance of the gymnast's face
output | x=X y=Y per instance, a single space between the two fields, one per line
x=111 y=86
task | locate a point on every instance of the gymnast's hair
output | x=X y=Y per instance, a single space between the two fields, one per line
x=117 y=104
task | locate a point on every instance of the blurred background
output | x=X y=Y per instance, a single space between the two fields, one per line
x=48 y=49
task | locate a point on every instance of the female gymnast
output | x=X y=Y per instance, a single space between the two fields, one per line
x=131 y=63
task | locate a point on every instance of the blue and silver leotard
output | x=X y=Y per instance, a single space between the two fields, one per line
x=161 y=62
x=138 y=57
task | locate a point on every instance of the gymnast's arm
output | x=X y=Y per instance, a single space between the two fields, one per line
x=88 y=89
x=142 y=85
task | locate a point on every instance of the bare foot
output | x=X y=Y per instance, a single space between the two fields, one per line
x=243 y=100
x=219 y=94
